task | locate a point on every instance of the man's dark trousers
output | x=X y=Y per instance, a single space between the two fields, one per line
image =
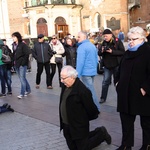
x=94 y=139
x=40 y=70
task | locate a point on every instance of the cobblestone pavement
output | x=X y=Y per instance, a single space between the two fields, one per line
x=35 y=123
x=20 y=132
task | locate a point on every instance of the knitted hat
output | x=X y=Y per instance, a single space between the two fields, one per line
x=107 y=31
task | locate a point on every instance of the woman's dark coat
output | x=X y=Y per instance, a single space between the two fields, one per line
x=134 y=73
x=80 y=109
x=71 y=54
x=21 y=55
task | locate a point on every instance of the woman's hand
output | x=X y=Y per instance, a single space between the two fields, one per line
x=143 y=92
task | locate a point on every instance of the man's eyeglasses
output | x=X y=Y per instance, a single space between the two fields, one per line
x=53 y=38
x=64 y=78
x=132 y=39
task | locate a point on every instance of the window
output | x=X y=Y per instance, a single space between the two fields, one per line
x=58 y=1
x=38 y=2
x=97 y=20
x=131 y=1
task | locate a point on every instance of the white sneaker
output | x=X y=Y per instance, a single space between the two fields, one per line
x=20 y=96
x=27 y=93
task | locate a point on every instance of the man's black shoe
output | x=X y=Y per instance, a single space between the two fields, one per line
x=123 y=147
x=107 y=137
x=145 y=147
x=10 y=109
x=102 y=100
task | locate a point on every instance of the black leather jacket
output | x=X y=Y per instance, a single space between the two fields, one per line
x=112 y=60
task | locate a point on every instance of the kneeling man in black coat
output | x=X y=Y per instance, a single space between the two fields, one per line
x=76 y=110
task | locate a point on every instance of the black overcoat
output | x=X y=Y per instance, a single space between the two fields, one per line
x=134 y=73
x=80 y=110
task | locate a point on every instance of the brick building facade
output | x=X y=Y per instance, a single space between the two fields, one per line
x=139 y=13
x=31 y=17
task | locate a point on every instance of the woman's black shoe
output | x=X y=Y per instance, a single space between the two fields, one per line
x=102 y=101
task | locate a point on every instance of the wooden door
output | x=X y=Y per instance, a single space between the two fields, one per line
x=42 y=29
x=61 y=30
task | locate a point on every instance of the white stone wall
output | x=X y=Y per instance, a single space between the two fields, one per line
x=4 y=20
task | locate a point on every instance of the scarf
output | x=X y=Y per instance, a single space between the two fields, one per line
x=135 y=48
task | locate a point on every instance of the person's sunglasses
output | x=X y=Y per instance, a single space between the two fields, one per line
x=53 y=38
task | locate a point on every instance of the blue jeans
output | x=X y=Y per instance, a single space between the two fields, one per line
x=3 y=78
x=107 y=80
x=89 y=83
x=25 y=87
x=8 y=80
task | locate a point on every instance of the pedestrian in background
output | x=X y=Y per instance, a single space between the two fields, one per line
x=7 y=51
x=42 y=54
x=58 y=50
x=70 y=52
x=76 y=110
x=121 y=36
x=2 y=72
x=133 y=89
x=87 y=60
x=21 y=54
x=111 y=50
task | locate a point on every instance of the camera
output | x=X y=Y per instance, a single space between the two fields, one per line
x=105 y=47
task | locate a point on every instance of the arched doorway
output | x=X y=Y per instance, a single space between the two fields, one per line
x=61 y=28
x=42 y=26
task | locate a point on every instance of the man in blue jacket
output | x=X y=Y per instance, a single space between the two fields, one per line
x=87 y=59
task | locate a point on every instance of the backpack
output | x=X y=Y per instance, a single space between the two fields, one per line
x=6 y=55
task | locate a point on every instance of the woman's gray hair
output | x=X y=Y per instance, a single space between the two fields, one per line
x=71 y=72
x=139 y=31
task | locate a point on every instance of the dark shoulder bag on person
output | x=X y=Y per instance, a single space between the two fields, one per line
x=58 y=59
x=6 y=55
x=6 y=58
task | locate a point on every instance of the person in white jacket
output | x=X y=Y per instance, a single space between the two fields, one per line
x=58 y=50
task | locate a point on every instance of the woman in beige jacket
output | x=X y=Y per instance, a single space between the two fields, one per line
x=58 y=50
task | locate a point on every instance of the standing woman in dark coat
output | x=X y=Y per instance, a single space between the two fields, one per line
x=20 y=59
x=70 y=52
x=133 y=89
